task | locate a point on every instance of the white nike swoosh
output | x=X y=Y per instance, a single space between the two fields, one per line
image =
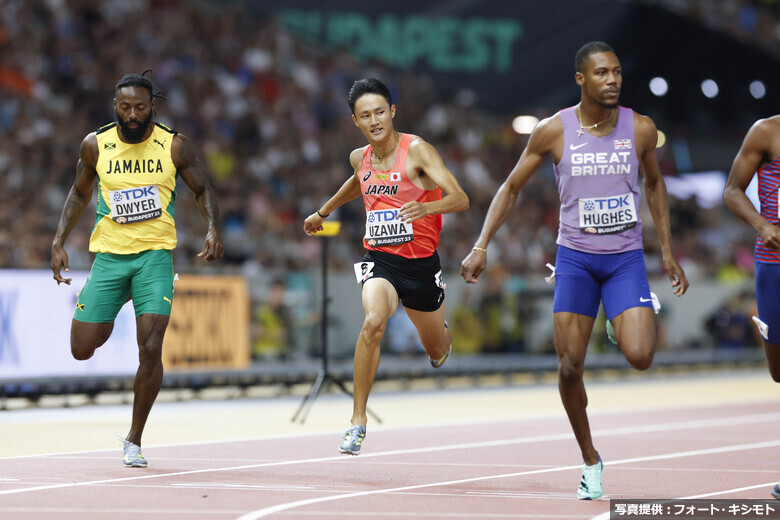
x=643 y=300
x=763 y=328
x=572 y=147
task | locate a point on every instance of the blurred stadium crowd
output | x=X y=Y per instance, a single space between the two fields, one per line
x=753 y=21
x=269 y=115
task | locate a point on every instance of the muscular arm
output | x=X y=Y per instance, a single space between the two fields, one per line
x=199 y=182
x=753 y=152
x=350 y=190
x=424 y=157
x=78 y=198
x=655 y=192
x=542 y=142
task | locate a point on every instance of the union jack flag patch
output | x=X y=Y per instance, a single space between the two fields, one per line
x=622 y=144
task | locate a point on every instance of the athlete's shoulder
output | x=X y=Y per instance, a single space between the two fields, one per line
x=774 y=120
x=181 y=138
x=418 y=145
x=767 y=124
x=88 y=151
x=414 y=139
x=771 y=120
x=182 y=150
x=549 y=125
x=640 y=119
x=764 y=134
x=356 y=156
x=91 y=139
x=644 y=127
x=546 y=134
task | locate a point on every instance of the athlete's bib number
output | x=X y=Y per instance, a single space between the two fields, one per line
x=135 y=204
x=384 y=228
x=605 y=215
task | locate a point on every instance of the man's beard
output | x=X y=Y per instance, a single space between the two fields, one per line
x=610 y=104
x=133 y=135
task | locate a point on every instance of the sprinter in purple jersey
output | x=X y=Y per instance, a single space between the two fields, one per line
x=760 y=152
x=598 y=149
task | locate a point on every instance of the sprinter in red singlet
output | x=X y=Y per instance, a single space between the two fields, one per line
x=401 y=179
x=760 y=152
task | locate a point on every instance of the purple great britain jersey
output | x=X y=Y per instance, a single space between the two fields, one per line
x=598 y=184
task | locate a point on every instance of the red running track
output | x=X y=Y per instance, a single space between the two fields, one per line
x=511 y=469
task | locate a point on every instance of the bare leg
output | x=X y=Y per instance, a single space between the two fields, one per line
x=85 y=338
x=772 y=351
x=435 y=338
x=379 y=303
x=572 y=332
x=635 y=332
x=148 y=378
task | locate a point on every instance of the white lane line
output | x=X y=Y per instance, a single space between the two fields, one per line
x=172 y=474
x=156 y=513
x=138 y=512
x=674 y=426
x=438 y=516
x=768 y=485
x=262 y=513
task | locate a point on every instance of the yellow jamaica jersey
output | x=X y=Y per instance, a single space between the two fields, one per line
x=136 y=193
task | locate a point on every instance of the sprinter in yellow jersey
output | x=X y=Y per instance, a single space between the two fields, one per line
x=134 y=162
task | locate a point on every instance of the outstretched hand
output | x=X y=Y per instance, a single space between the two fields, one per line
x=676 y=276
x=313 y=224
x=59 y=261
x=212 y=247
x=473 y=265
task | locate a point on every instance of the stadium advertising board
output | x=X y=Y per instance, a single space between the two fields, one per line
x=209 y=327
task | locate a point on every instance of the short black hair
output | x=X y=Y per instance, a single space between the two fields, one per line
x=368 y=86
x=138 y=80
x=586 y=50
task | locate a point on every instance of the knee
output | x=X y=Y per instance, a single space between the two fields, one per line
x=642 y=362
x=150 y=352
x=570 y=371
x=775 y=373
x=374 y=327
x=641 y=357
x=86 y=338
x=81 y=352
